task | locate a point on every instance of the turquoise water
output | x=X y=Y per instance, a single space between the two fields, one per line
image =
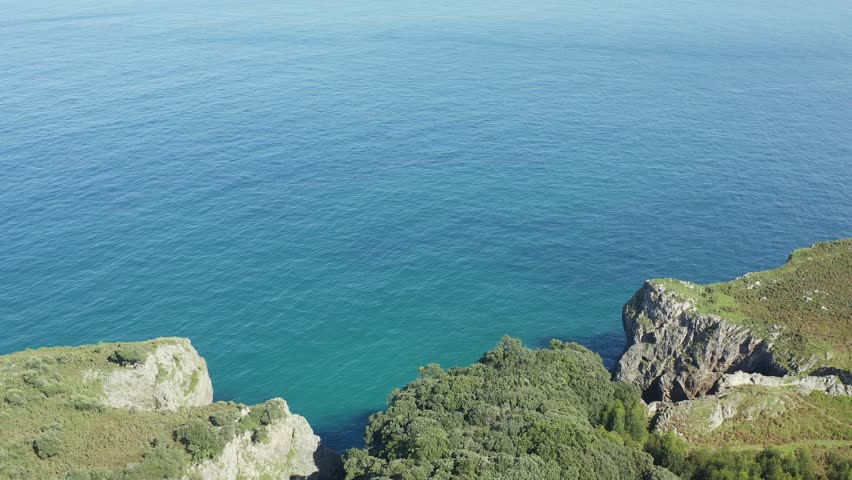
x=325 y=195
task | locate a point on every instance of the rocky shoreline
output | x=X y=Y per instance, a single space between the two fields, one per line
x=680 y=357
x=696 y=370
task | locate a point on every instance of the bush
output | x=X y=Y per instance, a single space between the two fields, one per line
x=163 y=460
x=838 y=468
x=125 y=355
x=34 y=378
x=38 y=375
x=200 y=439
x=84 y=403
x=221 y=419
x=15 y=397
x=258 y=419
x=670 y=452
x=78 y=475
x=49 y=442
x=227 y=422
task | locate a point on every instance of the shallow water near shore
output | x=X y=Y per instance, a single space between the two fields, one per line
x=326 y=195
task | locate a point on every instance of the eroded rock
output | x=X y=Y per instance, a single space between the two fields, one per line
x=675 y=353
x=172 y=375
x=291 y=450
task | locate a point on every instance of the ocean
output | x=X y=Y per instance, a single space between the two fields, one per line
x=325 y=195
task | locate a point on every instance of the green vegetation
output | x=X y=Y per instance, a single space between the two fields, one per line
x=260 y=417
x=128 y=354
x=554 y=413
x=770 y=463
x=807 y=302
x=201 y=439
x=765 y=416
x=50 y=441
x=54 y=424
x=516 y=414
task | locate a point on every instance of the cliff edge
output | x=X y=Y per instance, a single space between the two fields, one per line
x=676 y=353
x=762 y=360
x=794 y=320
x=135 y=411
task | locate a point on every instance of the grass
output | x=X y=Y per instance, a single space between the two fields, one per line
x=778 y=416
x=807 y=302
x=52 y=419
x=783 y=418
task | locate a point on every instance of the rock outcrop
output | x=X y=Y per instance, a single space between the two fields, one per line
x=743 y=398
x=675 y=353
x=171 y=426
x=291 y=450
x=172 y=375
x=700 y=417
x=829 y=384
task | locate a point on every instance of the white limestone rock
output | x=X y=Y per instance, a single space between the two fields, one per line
x=290 y=451
x=173 y=375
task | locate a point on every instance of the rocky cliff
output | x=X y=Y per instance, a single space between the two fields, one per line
x=122 y=411
x=676 y=353
x=762 y=359
x=290 y=449
x=169 y=376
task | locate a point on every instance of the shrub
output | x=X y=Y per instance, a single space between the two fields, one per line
x=125 y=355
x=46 y=382
x=34 y=378
x=85 y=403
x=49 y=442
x=670 y=452
x=227 y=422
x=228 y=417
x=92 y=474
x=200 y=439
x=838 y=468
x=15 y=397
x=258 y=418
x=769 y=464
x=161 y=461
x=35 y=363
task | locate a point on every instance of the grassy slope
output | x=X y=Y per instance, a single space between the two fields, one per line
x=784 y=418
x=767 y=416
x=810 y=297
x=44 y=387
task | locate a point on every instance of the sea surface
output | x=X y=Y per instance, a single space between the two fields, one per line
x=326 y=195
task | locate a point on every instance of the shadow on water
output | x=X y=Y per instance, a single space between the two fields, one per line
x=608 y=345
x=348 y=430
x=329 y=466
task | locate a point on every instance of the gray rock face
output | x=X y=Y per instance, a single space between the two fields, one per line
x=704 y=415
x=291 y=451
x=829 y=384
x=675 y=353
x=172 y=376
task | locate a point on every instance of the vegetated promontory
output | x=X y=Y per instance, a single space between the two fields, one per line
x=135 y=411
x=748 y=379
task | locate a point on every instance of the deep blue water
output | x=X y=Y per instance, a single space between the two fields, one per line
x=325 y=195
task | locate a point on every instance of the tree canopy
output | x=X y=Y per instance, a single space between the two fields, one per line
x=516 y=414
